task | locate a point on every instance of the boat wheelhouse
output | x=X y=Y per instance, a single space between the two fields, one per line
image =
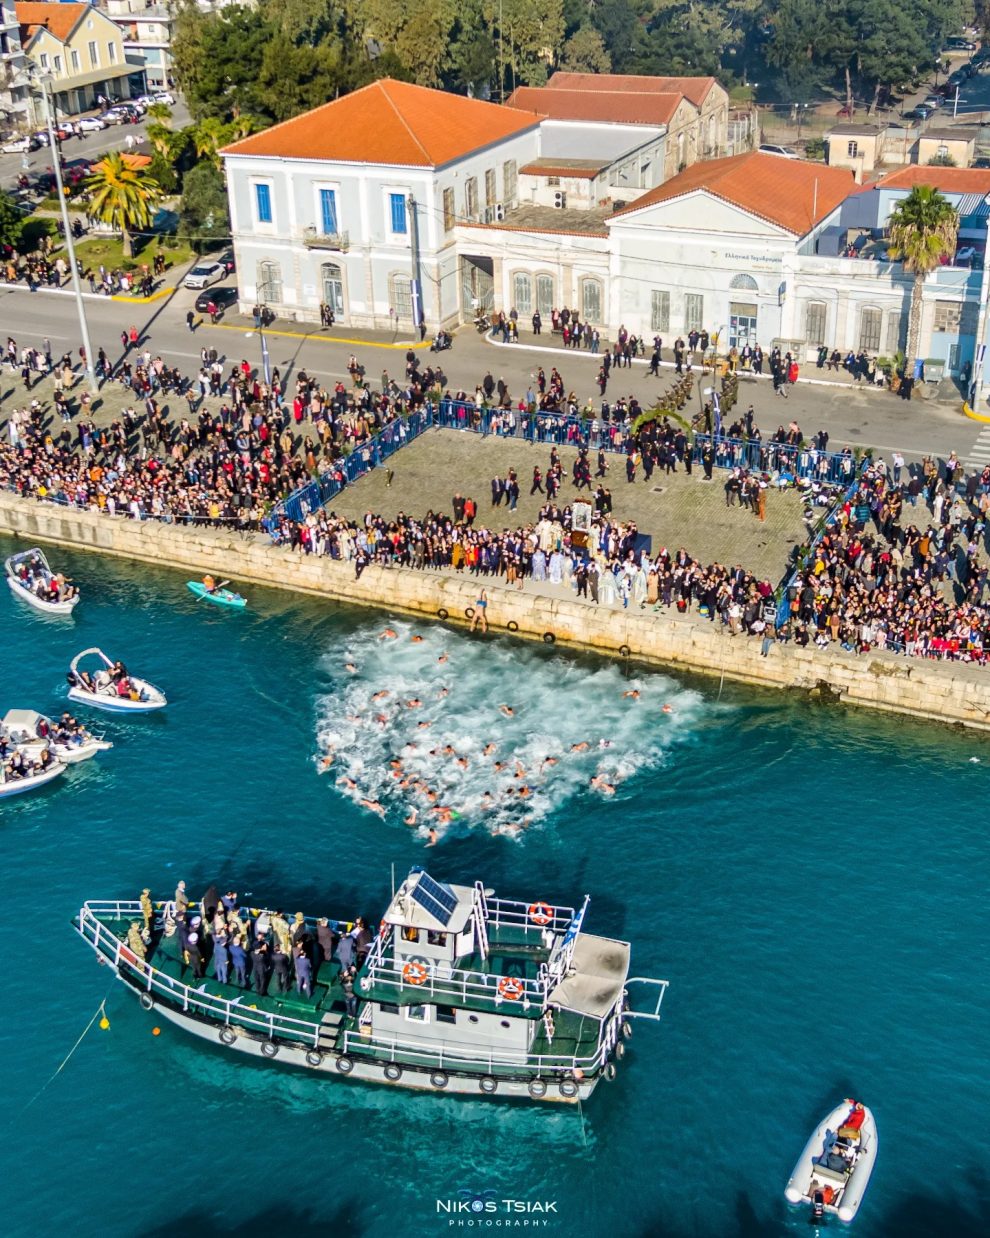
x=460 y=991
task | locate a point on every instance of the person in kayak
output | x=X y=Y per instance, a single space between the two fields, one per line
x=209 y=584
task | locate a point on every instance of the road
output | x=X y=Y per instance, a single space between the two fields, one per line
x=853 y=415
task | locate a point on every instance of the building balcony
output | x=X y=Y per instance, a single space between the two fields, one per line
x=313 y=238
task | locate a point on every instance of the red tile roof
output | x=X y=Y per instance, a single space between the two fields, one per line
x=615 y=107
x=694 y=88
x=389 y=122
x=949 y=180
x=788 y=192
x=59 y=19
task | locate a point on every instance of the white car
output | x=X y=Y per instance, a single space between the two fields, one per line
x=163 y=96
x=205 y=273
x=965 y=256
x=785 y=152
x=18 y=146
x=90 y=124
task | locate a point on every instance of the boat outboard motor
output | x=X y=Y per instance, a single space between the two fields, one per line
x=70 y=678
x=817 y=1206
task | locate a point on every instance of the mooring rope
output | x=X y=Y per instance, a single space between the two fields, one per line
x=100 y=1011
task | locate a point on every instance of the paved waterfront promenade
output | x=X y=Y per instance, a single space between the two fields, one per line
x=945 y=692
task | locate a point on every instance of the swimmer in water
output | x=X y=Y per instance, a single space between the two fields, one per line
x=327 y=761
x=548 y=761
x=374 y=806
x=442 y=658
x=632 y=694
x=349 y=783
x=431 y=836
x=411 y=816
x=498 y=767
x=388 y=634
x=424 y=725
x=604 y=743
x=414 y=703
x=443 y=692
x=668 y=709
x=524 y=791
x=416 y=639
x=600 y=783
x=380 y=696
x=449 y=750
x=354 y=718
x=507 y=710
x=462 y=762
x=381 y=719
x=581 y=747
x=520 y=771
x=489 y=749
x=349 y=666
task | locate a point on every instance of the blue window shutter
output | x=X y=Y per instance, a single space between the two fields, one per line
x=328 y=211
x=397 y=202
x=263 y=195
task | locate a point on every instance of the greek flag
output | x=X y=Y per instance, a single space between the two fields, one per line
x=575 y=926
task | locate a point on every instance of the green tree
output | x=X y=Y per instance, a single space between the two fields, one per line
x=585 y=51
x=923 y=229
x=122 y=195
x=203 y=215
x=11 y=221
x=217 y=57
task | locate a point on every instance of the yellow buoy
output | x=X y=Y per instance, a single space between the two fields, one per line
x=104 y=1023
x=156 y=1031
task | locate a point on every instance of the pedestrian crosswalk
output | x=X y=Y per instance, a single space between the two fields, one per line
x=979 y=453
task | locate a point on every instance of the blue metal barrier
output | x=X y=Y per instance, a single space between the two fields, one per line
x=833 y=468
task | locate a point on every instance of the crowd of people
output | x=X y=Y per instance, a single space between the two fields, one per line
x=870 y=582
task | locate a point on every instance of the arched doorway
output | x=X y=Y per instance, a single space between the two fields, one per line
x=332 y=281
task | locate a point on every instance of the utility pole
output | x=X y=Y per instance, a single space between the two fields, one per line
x=44 y=82
x=415 y=286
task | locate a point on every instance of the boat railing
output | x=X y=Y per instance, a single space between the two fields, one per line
x=415 y=1053
x=506 y=912
x=441 y=982
x=230 y=1012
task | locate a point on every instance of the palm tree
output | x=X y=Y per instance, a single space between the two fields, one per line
x=122 y=194
x=923 y=229
x=212 y=134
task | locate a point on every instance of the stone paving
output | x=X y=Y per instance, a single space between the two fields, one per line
x=675 y=510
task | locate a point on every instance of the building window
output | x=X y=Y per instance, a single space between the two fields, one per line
x=852 y=150
x=553 y=181
x=388 y=1008
x=510 y=182
x=263 y=203
x=446 y=1014
x=522 y=293
x=409 y=933
x=591 y=301
x=94 y=56
x=269 y=282
x=44 y=60
x=112 y=53
x=448 y=209
x=955 y=317
x=471 y=198
x=896 y=332
x=694 y=311
x=401 y=297
x=490 y=187
x=745 y=281
x=814 y=322
x=328 y=212
x=418 y=1014
x=942 y=152
x=544 y=295
x=398 y=222
x=74 y=56
x=869 y=330
x=433 y=938
x=659 y=311
x=58 y=64
x=332 y=280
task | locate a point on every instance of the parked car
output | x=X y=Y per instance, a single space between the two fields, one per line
x=223 y=298
x=164 y=96
x=921 y=112
x=114 y=116
x=964 y=257
x=227 y=258
x=958 y=44
x=91 y=124
x=934 y=102
x=982 y=162
x=785 y=152
x=19 y=145
x=203 y=274
x=40 y=137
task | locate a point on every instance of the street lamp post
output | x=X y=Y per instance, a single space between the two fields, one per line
x=44 y=81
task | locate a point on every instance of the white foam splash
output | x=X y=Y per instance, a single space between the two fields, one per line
x=497 y=734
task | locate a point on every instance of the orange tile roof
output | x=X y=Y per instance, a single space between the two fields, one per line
x=389 y=122
x=616 y=107
x=949 y=180
x=788 y=192
x=694 y=88
x=578 y=169
x=59 y=19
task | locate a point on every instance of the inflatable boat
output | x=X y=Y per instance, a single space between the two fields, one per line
x=834 y=1169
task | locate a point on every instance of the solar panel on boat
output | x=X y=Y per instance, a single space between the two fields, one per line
x=435 y=897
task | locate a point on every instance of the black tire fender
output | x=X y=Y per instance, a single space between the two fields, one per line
x=549 y=638
x=393 y=1072
x=147 y=1001
x=344 y=1064
x=227 y=1035
x=269 y=1049
x=488 y=1084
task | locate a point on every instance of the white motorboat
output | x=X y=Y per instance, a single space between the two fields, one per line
x=32 y=580
x=12 y=783
x=108 y=685
x=32 y=732
x=834 y=1169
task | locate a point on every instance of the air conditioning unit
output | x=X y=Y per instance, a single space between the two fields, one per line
x=560 y=199
x=499 y=212
x=489 y=214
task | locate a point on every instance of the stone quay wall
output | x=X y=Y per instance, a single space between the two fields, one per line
x=944 y=692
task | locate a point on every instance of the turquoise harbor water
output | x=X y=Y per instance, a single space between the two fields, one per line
x=813 y=884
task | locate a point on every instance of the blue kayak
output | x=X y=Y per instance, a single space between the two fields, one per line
x=219 y=597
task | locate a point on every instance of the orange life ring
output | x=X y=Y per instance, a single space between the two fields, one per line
x=510 y=988
x=415 y=972
x=540 y=914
